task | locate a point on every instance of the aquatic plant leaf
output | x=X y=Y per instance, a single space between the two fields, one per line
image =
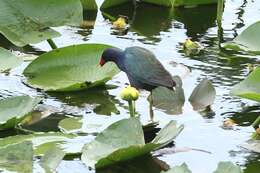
x=168 y=100
x=42 y=142
x=227 y=167
x=203 y=95
x=22 y=23
x=177 y=3
x=179 y=169
x=112 y=3
x=122 y=141
x=248 y=40
x=14 y=109
x=8 y=60
x=17 y=157
x=51 y=159
x=70 y=68
x=89 y=4
x=250 y=87
x=252 y=145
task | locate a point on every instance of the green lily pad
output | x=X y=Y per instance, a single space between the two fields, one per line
x=17 y=157
x=123 y=141
x=227 y=167
x=112 y=3
x=250 y=87
x=179 y=169
x=70 y=68
x=248 y=40
x=8 y=60
x=171 y=101
x=42 y=142
x=89 y=4
x=203 y=95
x=22 y=23
x=14 y=109
x=51 y=159
x=252 y=145
x=177 y=3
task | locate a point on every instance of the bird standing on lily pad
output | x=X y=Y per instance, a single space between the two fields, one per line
x=142 y=68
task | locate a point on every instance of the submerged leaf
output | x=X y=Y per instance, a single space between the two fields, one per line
x=70 y=68
x=203 y=95
x=171 y=101
x=179 y=169
x=248 y=40
x=14 y=109
x=22 y=23
x=250 y=87
x=8 y=60
x=227 y=167
x=17 y=157
x=123 y=141
x=252 y=145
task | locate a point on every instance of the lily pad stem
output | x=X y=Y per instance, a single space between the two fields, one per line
x=220 y=9
x=131 y=108
x=256 y=122
x=52 y=44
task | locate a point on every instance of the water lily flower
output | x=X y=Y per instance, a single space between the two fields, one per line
x=129 y=93
x=120 y=23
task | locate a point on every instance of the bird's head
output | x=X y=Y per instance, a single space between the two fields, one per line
x=110 y=54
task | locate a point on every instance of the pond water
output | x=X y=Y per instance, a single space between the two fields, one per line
x=162 y=31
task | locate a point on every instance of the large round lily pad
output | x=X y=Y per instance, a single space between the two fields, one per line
x=28 y=21
x=70 y=68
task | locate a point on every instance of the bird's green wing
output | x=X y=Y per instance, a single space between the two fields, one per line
x=142 y=65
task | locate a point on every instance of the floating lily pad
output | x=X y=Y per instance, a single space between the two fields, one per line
x=51 y=159
x=14 y=109
x=171 y=101
x=123 y=141
x=250 y=87
x=112 y=3
x=248 y=40
x=252 y=145
x=89 y=4
x=42 y=142
x=177 y=3
x=8 y=60
x=227 y=167
x=70 y=68
x=22 y=23
x=203 y=95
x=179 y=169
x=17 y=158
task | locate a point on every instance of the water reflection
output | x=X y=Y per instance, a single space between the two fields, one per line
x=104 y=104
x=139 y=165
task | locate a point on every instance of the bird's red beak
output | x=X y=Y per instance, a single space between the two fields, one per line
x=102 y=62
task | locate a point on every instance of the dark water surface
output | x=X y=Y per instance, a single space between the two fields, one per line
x=162 y=31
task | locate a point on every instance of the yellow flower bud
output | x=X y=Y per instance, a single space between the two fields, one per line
x=257 y=131
x=129 y=93
x=120 y=23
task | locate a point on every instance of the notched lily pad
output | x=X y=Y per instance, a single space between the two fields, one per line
x=248 y=40
x=70 y=68
x=250 y=87
x=8 y=60
x=123 y=141
x=17 y=157
x=170 y=101
x=14 y=109
x=22 y=23
x=203 y=95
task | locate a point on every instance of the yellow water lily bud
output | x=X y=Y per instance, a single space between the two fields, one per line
x=188 y=44
x=257 y=131
x=229 y=123
x=129 y=93
x=120 y=23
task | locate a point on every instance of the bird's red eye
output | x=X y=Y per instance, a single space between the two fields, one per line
x=102 y=62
